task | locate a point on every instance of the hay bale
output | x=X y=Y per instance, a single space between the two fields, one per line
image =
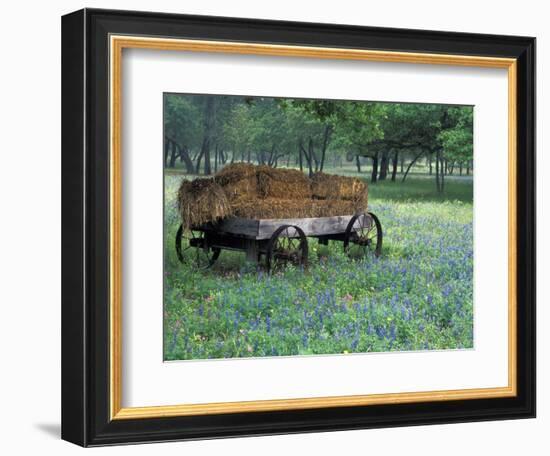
x=284 y=208
x=274 y=208
x=238 y=181
x=334 y=207
x=234 y=172
x=331 y=186
x=360 y=203
x=202 y=201
x=283 y=183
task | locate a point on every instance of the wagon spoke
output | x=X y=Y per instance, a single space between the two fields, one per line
x=363 y=235
x=288 y=244
x=204 y=256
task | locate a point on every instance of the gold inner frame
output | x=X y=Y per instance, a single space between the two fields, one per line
x=117 y=44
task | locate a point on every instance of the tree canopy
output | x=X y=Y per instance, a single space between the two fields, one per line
x=207 y=131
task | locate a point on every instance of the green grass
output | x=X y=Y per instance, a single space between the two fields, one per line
x=417 y=296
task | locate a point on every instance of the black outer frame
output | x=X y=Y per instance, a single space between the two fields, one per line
x=85 y=227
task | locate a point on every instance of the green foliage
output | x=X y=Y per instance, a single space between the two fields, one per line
x=311 y=133
x=458 y=139
x=358 y=124
x=182 y=119
x=412 y=125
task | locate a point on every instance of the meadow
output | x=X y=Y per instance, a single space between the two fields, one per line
x=418 y=295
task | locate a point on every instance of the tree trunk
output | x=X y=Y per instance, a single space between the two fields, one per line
x=439 y=171
x=273 y=156
x=326 y=139
x=394 y=164
x=410 y=166
x=430 y=163
x=173 y=154
x=199 y=158
x=185 y=158
x=383 y=166
x=358 y=163
x=460 y=168
x=312 y=157
x=166 y=149
x=374 y=174
x=442 y=173
x=209 y=112
x=437 y=184
x=300 y=161
x=308 y=158
x=207 y=164
x=260 y=157
x=402 y=163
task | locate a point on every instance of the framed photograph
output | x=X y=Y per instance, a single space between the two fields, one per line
x=278 y=227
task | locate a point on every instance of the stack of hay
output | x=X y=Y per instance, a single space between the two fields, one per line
x=262 y=192
x=342 y=194
x=239 y=181
x=202 y=201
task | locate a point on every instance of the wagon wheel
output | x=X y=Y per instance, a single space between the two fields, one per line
x=192 y=245
x=288 y=244
x=363 y=235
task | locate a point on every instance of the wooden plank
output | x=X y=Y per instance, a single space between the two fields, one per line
x=238 y=226
x=264 y=228
x=316 y=226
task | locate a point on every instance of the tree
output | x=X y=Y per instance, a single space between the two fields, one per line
x=457 y=139
x=358 y=127
x=405 y=128
x=205 y=131
x=180 y=130
x=313 y=123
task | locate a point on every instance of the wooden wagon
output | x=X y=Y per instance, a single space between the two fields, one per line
x=278 y=241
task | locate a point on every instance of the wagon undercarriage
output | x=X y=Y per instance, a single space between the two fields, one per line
x=277 y=242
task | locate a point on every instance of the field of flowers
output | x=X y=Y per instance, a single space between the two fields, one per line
x=417 y=296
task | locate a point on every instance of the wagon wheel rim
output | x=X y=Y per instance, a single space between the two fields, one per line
x=363 y=236
x=288 y=244
x=202 y=256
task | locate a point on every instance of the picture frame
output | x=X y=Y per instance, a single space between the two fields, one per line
x=92 y=45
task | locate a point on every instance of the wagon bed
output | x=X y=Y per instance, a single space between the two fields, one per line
x=279 y=241
x=264 y=228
